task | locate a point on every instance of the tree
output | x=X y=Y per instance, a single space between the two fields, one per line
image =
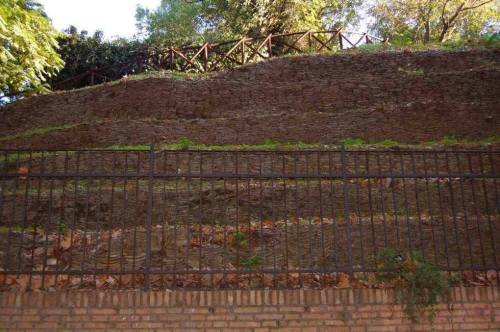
x=174 y=22
x=432 y=20
x=82 y=53
x=28 y=52
x=181 y=22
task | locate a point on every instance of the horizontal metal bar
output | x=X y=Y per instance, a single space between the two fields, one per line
x=250 y=176
x=273 y=151
x=226 y=272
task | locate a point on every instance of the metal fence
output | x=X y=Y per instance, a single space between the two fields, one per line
x=242 y=218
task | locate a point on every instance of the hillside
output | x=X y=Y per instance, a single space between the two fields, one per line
x=409 y=97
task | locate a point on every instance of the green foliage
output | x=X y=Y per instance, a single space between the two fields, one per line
x=28 y=55
x=449 y=140
x=411 y=71
x=418 y=285
x=388 y=143
x=251 y=262
x=36 y=131
x=173 y=23
x=182 y=22
x=240 y=239
x=82 y=53
x=184 y=143
x=410 y=21
x=352 y=142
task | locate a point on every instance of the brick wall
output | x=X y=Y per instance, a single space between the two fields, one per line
x=408 y=97
x=470 y=309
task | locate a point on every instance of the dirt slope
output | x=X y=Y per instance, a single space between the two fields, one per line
x=408 y=97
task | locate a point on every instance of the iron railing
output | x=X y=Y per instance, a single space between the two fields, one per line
x=242 y=218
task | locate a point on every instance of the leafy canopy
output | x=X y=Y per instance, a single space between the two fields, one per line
x=409 y=21
x=82 y=52
x=28 y=47
x=177 y=22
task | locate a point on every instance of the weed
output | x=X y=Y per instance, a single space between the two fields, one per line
x=251 y=262
x=37 y=131
x=409 y=70
x=418 y=284
x=388 y=143
x=240 y=239
x=450 y=140
x=353 y=142
x=184 y=143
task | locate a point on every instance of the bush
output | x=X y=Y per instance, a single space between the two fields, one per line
x=418 y=284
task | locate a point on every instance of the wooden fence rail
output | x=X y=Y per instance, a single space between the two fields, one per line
x=213 y=57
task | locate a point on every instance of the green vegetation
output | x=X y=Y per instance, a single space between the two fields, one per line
x=28 y=55
x=411 y=71
x=250 y=262
x=217 y=20
x=268 y=144
x=418 y=284
x=37 y=131
x=16 y=229
x=240 y=239
x=411 y=21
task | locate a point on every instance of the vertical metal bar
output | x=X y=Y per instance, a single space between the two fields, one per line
x=213 y=223
x=13 y=219
x=225 y=221
x=444 y=223
x=464 y=207
x=382 y=197
x=273 y=220
x=497 y=201
x=417 y=204
x=75 y=205
x=176 y=214
x=285 y=217
x=358 y=211
x=111 y=213
x=124 y=216
x=490 y=224
x=163 y=207
x=476 y=210
x=137 y=198
x=370 y=203
x=147 y=268
x=429 y=207
x=249 y=213
x=346 y=208
x=62 y=216
x=309 y=211
x=200 y=213
x=24 y=216
x=187 y=221
x=98 y=224
x=453 y=212
x=394 y=200
x=46 y=230
x=298 y=216
x=84 y=238
x=237 y=208
x=35 y=226
x=321 y=221
x=405 y=199
x=261 y=216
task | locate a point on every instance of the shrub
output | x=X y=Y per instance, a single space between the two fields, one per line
x=418 y=284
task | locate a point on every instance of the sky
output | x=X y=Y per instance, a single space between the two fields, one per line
x=114 y=17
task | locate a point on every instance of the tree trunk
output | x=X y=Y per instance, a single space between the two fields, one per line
x=444 y=30
x=427 y=33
